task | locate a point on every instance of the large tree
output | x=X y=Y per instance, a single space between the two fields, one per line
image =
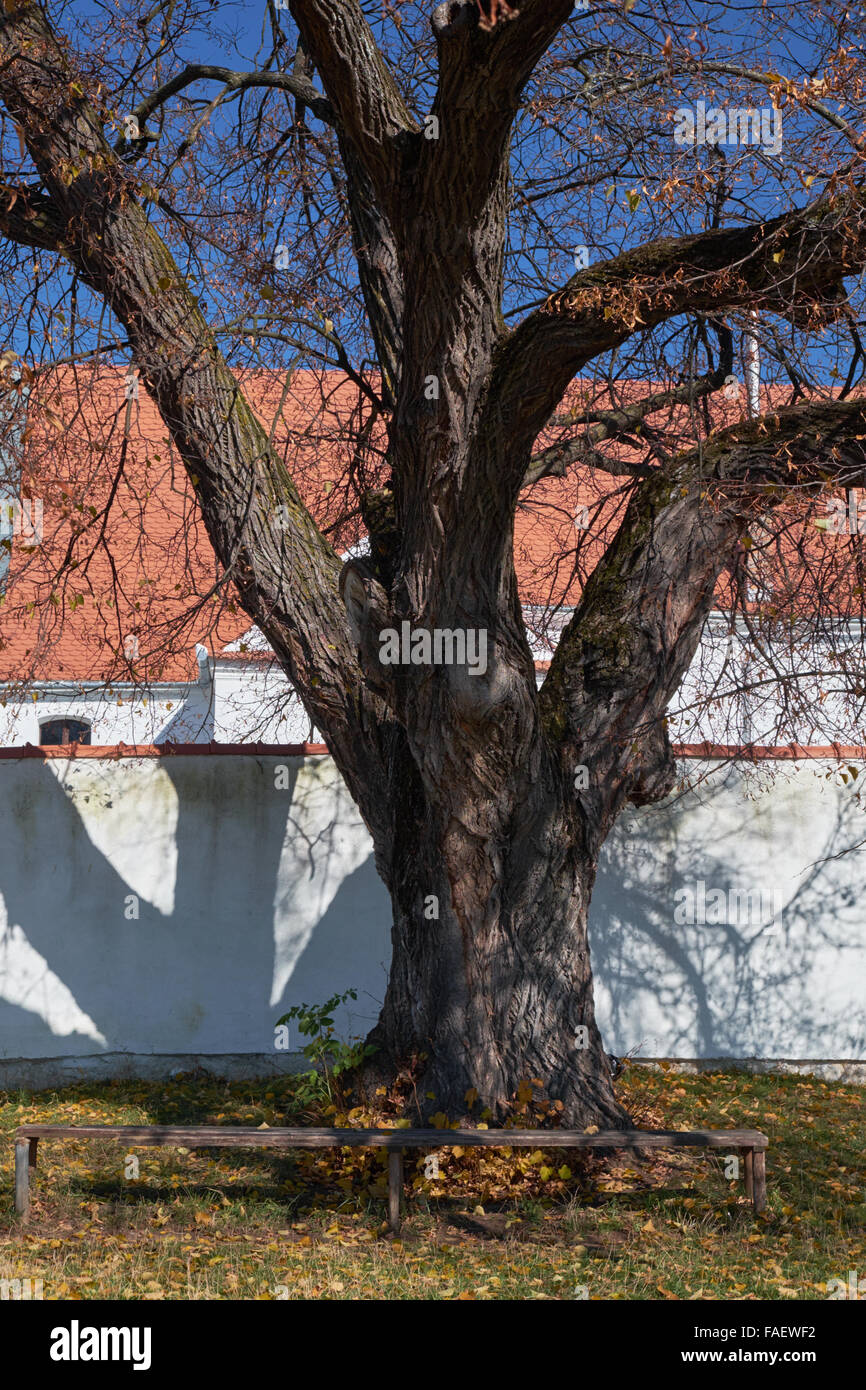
x=480 y=791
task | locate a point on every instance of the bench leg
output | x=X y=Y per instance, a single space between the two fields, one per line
x=759 y=1180
x=395 y=1188
x=22 y=1178
x=34 y=1145
x=749 y=1155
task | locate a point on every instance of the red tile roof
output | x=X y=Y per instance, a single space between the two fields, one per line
x=143 y=561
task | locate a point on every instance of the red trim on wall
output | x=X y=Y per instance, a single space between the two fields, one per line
x=746 y=752
x=163 y=750
x=756 y=752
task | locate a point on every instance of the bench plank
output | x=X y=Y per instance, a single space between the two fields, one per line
x=218 y=1137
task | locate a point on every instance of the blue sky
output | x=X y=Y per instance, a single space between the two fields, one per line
x=625 y=160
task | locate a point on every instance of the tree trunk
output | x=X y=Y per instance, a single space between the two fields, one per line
x=490 y=982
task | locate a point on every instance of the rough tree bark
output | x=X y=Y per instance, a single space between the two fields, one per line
x=485 y=834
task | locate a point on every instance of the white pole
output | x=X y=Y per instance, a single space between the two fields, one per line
x=753 y=369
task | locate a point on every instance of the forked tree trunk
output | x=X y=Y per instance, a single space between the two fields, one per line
x=463 y=780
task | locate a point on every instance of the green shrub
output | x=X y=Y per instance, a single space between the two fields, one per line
x=330 y=1058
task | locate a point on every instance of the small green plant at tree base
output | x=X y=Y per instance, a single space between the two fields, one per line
x=329 y=1057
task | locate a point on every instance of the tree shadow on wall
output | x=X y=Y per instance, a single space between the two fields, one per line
x=201 y=969
x=737 y=987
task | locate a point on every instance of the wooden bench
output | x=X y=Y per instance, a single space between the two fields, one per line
x=750 y=1142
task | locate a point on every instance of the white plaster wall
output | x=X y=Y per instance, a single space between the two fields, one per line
x=183 y=714
x=252 y=898
x=789 y=986
x=247 y=702
x=130 y=721
x=249 y=899
x=256 y=703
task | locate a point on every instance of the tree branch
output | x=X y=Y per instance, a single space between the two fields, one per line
x=639 y=621
x=793 y=265
x=295 y=84
x=379 y=270
x=362 y=90
x=610 y=425
x=29 y=217
x=502 y=55
x=483 y=68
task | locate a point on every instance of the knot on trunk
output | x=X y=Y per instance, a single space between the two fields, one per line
x=380 y=518
x=424 y=668
x=450 y=18
x=368 y=609
x=653 y=774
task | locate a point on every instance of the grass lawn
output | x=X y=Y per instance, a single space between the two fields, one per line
x=256 y=1224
